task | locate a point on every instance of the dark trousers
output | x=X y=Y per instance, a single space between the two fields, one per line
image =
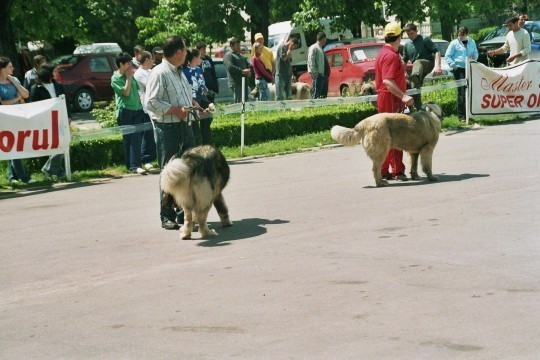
x=459 y=74
x=421 y=69
x=202 y=128
x=132 y=142
x=171 y=139
x=148 y=144
x=237 y=90
x=317 y=81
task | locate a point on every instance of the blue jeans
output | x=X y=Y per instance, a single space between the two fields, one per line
x=318 y=83
x=132 y=142
x=264 y=91
x=283 y=87
x=148 y=144
x=171 y=139
x=17 y=171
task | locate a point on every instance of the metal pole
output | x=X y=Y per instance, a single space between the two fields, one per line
x=467 y=100
x=242 y=116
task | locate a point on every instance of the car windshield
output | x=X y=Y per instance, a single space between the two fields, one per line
x=365 y=53
x=274 y=40
x=442 y=46
x=500 y=31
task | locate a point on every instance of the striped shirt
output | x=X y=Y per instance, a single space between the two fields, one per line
x=166 y=87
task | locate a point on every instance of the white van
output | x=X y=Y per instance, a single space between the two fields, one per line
x=280 y=32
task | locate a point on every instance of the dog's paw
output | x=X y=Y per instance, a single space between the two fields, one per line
x=433 y=178
x=226 y=223
x=184 y=234
x=415 y=177
x=383 y=183
x=209 y=232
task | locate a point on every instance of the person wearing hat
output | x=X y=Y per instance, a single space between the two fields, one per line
x=424 y=56
x=157 y=54
x=267 y=56
x=391 y=84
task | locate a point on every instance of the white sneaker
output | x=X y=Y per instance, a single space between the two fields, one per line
x=31 y=181
x=139 y=171
x=148 y=166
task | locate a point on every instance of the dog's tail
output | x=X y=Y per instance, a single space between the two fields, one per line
x=346 y=136
x=174 y=174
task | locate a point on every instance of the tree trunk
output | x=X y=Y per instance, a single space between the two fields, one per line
x=261 y=22
x=7 y=40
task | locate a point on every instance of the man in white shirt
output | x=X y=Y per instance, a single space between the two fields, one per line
x=168 y=96
x=517 y=41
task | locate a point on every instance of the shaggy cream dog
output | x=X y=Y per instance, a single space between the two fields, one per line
x=416 y=133
x=300 y=91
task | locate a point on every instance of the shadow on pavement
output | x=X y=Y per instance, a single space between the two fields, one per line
x=242 y=229
x=50 y=188
x=424 y=181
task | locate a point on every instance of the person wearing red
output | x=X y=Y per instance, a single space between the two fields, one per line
x=391 y=85
x=262 y=75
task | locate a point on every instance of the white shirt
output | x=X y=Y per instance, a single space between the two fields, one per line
x=50 y=89
x=141 y=75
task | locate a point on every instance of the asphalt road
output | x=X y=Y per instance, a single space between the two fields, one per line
x=320 y=264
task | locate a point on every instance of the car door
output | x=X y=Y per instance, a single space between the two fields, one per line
x=101 y=68
x=336 y=72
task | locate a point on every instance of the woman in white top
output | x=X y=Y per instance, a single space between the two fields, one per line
x=148 y=144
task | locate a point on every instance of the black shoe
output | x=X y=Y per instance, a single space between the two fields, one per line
x=388 y=177
x=169 y=225
x=402 y=177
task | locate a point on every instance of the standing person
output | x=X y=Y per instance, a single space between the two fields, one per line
x=262 y=75
x=391 y=85
x=134 y=62
x=157 y=53
x=168 y=98
x=456 y=56
x=237 y=68
x=11 y=93
x=194 y=74
x=209 y=71
x=31 y=75
x=284 y=70
x=46 y=87
x=517 y=41
x=148 y=144
x=424 y=56
x=129 y=110
x=315 y=65
x=267 y=56
x=327 y=70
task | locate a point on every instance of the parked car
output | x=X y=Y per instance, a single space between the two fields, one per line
x=98 y=48
x=86 y=78
x=244 y=50
x=350 y=66
x=496 y=39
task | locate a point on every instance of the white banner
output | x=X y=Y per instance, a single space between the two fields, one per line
x=513 y=89
x=34 y=129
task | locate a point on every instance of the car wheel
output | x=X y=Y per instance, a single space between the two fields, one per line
x=345 y=91
x=84 y=100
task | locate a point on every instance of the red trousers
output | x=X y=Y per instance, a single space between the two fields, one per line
x=388 y=103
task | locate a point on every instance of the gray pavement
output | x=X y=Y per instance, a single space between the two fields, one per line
x=319 y=264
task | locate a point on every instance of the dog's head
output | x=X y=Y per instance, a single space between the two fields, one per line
x=434 y=108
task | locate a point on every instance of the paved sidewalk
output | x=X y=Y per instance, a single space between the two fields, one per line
x=319 y=264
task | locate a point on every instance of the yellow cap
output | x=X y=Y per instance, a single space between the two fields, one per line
x=258 y=36
x=392 y=29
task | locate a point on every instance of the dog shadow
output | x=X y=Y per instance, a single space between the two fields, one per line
x=242 y=229
x=442 y=178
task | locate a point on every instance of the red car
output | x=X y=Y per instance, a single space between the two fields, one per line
x=350 y=66
x=86 y=78
x=244 y=50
